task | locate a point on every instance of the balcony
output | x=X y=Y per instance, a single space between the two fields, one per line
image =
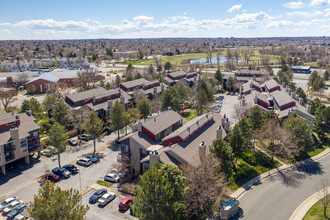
x=9 y=148
x=10 y=157
x=33 y=148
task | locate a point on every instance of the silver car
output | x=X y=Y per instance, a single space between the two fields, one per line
x=106 y=198
x=5 y=203
x=11 y=206
x=112 y=177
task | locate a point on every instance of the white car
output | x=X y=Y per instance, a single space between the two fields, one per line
x=106 y=198
x=112 y=177
x=5 y=203
x=84 y=161
x=11 y=206
x=20 y=217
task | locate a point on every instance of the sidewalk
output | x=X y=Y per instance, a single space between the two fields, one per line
x=255 y=181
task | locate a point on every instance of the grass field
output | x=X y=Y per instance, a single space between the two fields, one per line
x=103 y=183
x=316 y=212
x=189 y=114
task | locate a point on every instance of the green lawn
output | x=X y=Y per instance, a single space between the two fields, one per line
x=251 y=164
x=312 y=64
x=103 y=183
x=316 y=212
x=22 y=92
x=189 y=114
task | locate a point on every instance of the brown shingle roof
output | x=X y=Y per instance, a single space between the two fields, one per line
x=160 y=122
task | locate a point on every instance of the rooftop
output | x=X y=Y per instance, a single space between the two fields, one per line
x=178 y=73
x=134 y=83
x=271 y=84
x=282 y=97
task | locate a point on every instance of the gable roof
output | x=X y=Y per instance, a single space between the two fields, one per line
x=282 y=97
x=271 y=84
x=79 y=96
x=134 y=83
x=176 y=74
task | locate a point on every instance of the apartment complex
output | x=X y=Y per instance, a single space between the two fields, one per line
x=19 y=137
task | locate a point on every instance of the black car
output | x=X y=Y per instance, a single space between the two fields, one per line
x=71 y=168
x=98 y=194
x=63 y=173
x=73 y=143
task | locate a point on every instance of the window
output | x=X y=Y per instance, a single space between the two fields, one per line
x=125 y=148
x=145 y=166
x=35 y=133
x=23 y=143
x=143 y=151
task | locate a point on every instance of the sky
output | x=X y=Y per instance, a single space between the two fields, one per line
x=80 y=19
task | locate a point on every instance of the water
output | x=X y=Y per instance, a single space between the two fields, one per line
x=214 y=60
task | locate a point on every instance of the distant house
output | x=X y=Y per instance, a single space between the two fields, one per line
x=130 y=86
x=19 y=138
x=189 y=78
x=168 y=138
x=301 y=69
x=245 y=75
x=271 y=86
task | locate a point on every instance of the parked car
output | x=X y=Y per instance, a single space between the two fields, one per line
x=97 y=195
x=84 y=161
x=84 y=137
x=53 y=177
x=71 y=168
x=120 y=174
x=125 y=203
x=50 y=151
x=20 y=217
x=94 y=158
x=6 y=202
x=112 y=177
x=63 y=173
x=16 y=211
x=73 y=142
x=106 y=198
x=11 y=207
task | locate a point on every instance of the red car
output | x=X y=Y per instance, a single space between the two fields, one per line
x=125 y=203
x=53 y=177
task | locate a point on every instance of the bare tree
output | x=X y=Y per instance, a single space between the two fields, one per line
x=265 y=60
x=138 y=95
x=323 y=195
x=241 y=111
x=78 y=116
x=206 y=185
x=86 y=79
x=277 y=141
x=23 y=78
x=6 y=96
x=209 y=56
x=155 y=105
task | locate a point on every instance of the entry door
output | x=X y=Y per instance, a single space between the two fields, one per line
x=40 y=88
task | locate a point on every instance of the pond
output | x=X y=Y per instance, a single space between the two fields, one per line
x=214 y=60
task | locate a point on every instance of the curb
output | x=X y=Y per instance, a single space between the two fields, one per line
x=303 y=208
x=256 y=180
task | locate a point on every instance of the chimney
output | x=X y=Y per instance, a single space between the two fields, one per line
x=195 y=78
x=289 y=91
x=290 y=112
x=135 y=126
x=297 y=97
x=9 y=82
x=293 y=94
x=243 y=102
x=154 y=157
x=29 y=112
x=227 y=125
x=283 y=84
x=109 y=104
x=94 y=98
x=202 y=148
x=219 y=132
x=223 y=119
x=155 y=90
x=169 y=108
x=122 y=99
x=241 y=89
x=199 y=77
x=162 y=87
x=309 y=108
x=140 y=125
x=17 y=116
x=14 y=133
x=301 y=101
x=287 y=88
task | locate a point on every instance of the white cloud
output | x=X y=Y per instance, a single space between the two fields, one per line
x=5 y=24
x=6 y=31
x=294 y=5
x=52 y=24
x=96 y=22
x=234 y=8
x=304 y=13
x=320 y=2
x=327 y=12
x=88 y=19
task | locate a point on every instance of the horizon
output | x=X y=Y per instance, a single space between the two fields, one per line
x=147 y=19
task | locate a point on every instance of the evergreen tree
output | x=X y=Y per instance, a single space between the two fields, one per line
x=236 y=141
x=255 y=117
x=144 y=107
x=53 y=203
x=117 y=80
x=222 y=150
x=58 y=138
x=61 y=113
x=117 y=116
x=218 y=76
x=94 y=127
x=168 y=66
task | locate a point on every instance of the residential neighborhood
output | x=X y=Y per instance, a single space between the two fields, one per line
x=172 y=111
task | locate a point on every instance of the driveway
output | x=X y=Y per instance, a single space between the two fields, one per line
x=277 y=197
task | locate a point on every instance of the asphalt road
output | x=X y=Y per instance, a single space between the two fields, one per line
x=277 y=197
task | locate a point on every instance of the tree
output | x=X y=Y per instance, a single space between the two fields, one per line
x=78 y=116
x=277 y=141
x=6 y=97
x=177 y=50
x=138 y=76
x=222 y=150
x=49 y=101
x=326 y=76
x=168 y=66
x=117 y=80
x=129 y=77
x=301 y=94
x=34 y=106
x=247 y=135
x=206 y=186
x=316 y=104
x=61 y=113
x=230 y=83
x=300 y=128
x=140 y=55
x=109 y=52
x=159 y=69
x=94 y=127
x=31 y=89
x=144 y=107
x=201 y=101
x=322 y=121
x=58 y=138
x=160 y=193
x=129 y=69
x=255 y=117
x=85 y=78
x=134 y=114
x=117 y=117
x=218 y=76
x=236 y=141
x=53 y=203
x=171 y=98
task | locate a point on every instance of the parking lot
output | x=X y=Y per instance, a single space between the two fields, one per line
x=227 y=106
